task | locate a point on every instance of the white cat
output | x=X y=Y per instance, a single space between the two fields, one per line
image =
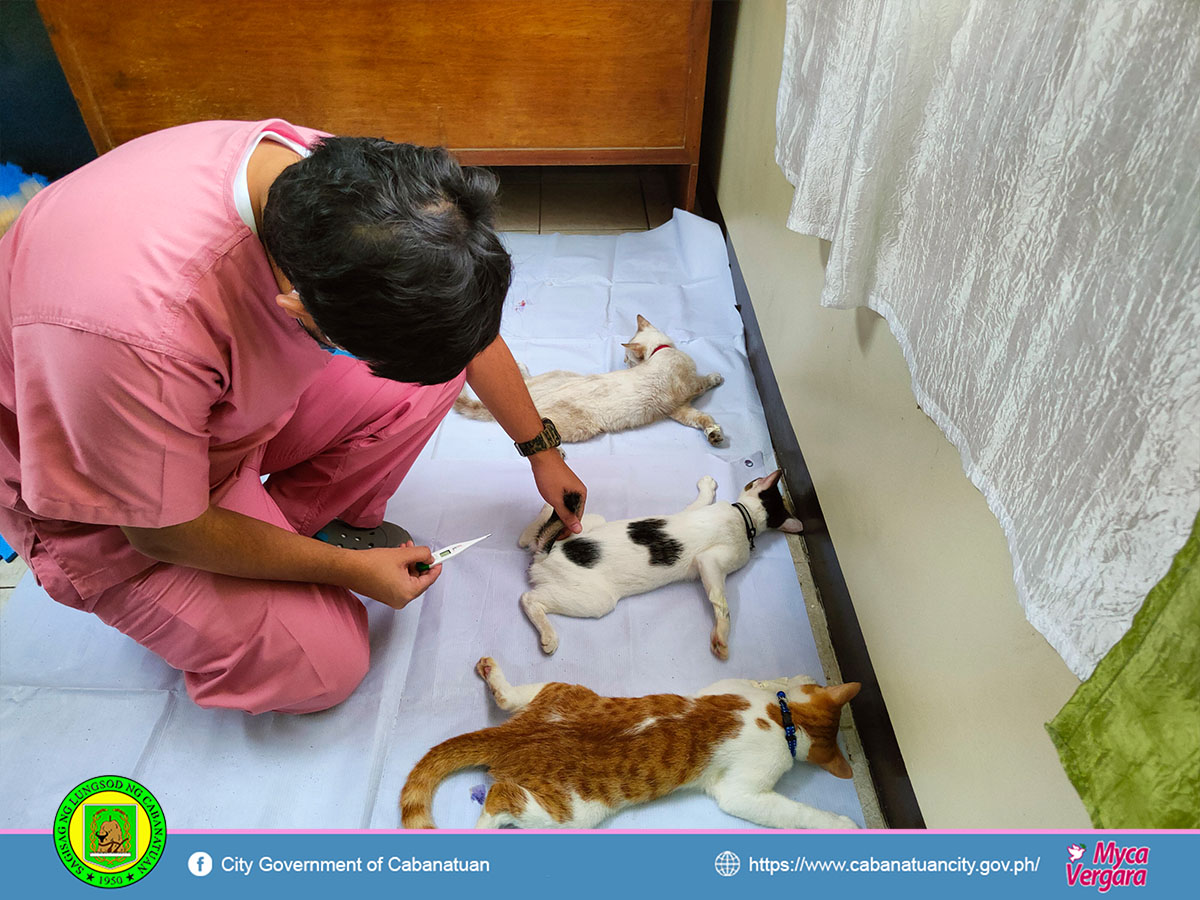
x=661 y=381
x=586 y=574
x=569 y=758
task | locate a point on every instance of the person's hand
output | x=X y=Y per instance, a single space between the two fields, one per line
x=560 y=487
x=389 y=574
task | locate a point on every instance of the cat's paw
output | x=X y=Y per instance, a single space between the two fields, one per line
x=489 y=670
x=549 y=644
x=714 y=434
x=716 y=379
x=719 y=646
x=707 y=485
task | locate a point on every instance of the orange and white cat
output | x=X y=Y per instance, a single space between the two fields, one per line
x=661 y=381
x=569 y=758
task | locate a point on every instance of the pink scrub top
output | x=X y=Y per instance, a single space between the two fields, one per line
x=143 y=359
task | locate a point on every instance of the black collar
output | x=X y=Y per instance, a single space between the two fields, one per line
x=751 y=531
x=789 y=730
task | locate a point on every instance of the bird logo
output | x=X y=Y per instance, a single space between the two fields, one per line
x=1075 y=851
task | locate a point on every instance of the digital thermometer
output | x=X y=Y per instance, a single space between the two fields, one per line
x=440 y=556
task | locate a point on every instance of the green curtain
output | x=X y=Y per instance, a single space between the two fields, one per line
x=1129 y=738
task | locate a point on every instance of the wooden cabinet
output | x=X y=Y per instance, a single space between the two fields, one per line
x=499 y=82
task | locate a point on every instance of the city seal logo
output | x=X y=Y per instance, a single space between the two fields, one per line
x=109 y=831
x=112 y=833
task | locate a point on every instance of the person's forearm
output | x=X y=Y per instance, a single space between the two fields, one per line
x=230 y=543
x=494 y=377
x=497 y=381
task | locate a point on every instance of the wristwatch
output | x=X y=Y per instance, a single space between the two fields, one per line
x=544 y=441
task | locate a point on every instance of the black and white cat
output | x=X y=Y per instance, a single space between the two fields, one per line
x=586 y=574
x=660 y=381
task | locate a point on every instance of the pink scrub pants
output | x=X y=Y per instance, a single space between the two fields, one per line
x=276 y=645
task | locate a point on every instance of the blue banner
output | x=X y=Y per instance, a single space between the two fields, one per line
x=503 y=864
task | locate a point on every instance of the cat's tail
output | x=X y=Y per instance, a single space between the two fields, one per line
x=542 y=531
x=445 y=759
x=471 y=408
x=545 y=529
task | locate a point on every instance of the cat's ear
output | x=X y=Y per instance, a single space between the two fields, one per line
x=838 y=766
x=643 y=322
x=841 y=694
x=769 y=481
x=792 y=526
x=635 y=351
x=829 y=700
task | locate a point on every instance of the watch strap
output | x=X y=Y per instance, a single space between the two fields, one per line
x=548 y=438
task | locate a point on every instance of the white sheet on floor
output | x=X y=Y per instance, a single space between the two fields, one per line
x=78 y=699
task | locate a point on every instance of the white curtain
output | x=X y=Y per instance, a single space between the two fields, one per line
x=1015 y=187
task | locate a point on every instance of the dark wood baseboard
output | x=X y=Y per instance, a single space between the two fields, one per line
x=897 y=800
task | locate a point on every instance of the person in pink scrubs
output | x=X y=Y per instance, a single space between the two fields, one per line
x=166 y=313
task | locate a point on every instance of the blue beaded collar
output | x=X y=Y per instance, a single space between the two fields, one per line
x=789 y=730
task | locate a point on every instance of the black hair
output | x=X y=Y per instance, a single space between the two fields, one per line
x=391 y=249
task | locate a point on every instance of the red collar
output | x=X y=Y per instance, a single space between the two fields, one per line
x=659 y=347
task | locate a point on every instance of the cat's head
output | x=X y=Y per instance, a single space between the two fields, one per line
x=763 y=500
x=643 y=344
x=818 y=712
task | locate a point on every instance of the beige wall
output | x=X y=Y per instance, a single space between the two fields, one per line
x=967 y=680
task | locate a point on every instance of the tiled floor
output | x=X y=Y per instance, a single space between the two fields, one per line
x=582 y=199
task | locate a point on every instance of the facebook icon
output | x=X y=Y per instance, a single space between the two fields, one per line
x=200 y=864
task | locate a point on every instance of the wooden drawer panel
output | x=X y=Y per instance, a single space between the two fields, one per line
x=499 y=81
